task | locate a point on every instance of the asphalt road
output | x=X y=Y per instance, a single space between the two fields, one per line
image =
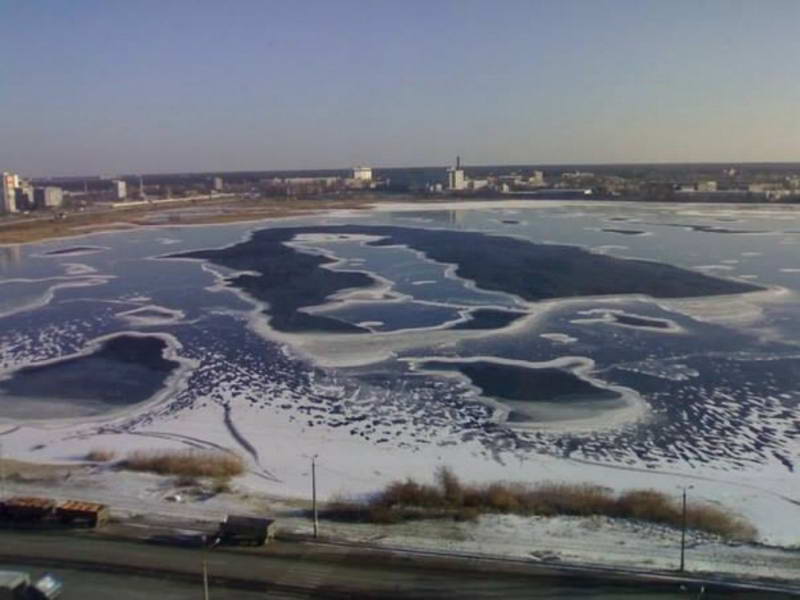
x=298 y=570
x=94 y=585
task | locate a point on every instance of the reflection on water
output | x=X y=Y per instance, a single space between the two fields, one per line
x=10 y=256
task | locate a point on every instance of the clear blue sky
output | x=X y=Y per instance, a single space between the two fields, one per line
x=108 y=86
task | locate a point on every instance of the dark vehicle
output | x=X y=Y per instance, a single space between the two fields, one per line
x=27 y=509
x=16 y=585
x=236 y=530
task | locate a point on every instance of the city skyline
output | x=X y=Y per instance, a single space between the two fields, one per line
x=195 y=86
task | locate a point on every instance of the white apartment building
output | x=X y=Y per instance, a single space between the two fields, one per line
x=362 y=173
x=8 y=194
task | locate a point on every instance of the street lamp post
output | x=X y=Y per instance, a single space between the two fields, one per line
x=314 y=493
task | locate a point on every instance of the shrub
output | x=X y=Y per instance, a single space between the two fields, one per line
x=386 y=515
x=501 y=498
x=343 y=509
x=581 y=499
x=189 y=463
x=466 y=513
x=222 y=485
x=705 y=517
x=101 y=455
x=450 y=486
x=450 y=498
x=409 y=493
x=649 y=505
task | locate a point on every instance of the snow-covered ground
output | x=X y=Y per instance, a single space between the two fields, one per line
x=150 y=500
x=350 y=466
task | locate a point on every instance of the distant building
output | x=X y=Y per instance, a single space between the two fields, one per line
x=48 y=197
x=537 y=179
x=325 y=181
x=362 y=173
x=764 y=187
x=455 y=177
x=218 y=184
x=23 y=196
x=706 y=186
x=572 y=175
x=477 y=184
x=120 y=189
x=8 y=194
x=778 y=194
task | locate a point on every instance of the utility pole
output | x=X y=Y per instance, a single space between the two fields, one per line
x=314 y=493
x=683 y=531
x=2 y=473
x=683 y=527
x=205 y=579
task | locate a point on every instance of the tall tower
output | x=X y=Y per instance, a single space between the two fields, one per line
x=455 y=176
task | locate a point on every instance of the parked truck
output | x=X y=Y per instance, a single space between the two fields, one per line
x=43 y=512
x=245 y=530
x=77 y=512
x=27 y=509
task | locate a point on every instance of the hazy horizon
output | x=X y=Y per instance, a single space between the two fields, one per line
x=466 y=165
x=96 y=88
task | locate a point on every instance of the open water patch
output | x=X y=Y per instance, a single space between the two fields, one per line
x=489 y=318
x=535 y=395
x=119 y=372
x=527 y=384
x=613 y=316
x=75 y=251
x=288 y=279
x=714 y=229
x=625 y=231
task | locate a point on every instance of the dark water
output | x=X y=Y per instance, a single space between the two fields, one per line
x=640 y=321
x=124 y=371
x=525 y=384
x=289 y=279
x=73 y=250
x=486 y=318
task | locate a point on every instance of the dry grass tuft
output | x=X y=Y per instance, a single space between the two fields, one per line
x=101 y=455
x=706 y=517
x=450 y=498
x=187 y=463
